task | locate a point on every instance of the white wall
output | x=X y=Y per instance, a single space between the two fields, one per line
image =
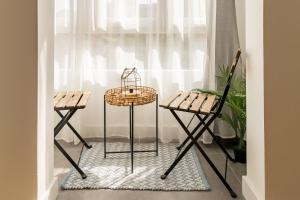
x=254 y=182
x=18 y=99
x=47 y=184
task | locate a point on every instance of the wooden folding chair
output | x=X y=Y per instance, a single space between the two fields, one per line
x=206 y=108
x=70 y=102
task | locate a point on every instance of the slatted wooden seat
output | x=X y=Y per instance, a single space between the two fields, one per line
x=69 y=101
x=190 y=102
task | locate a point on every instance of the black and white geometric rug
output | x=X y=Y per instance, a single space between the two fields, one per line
x=114 y=172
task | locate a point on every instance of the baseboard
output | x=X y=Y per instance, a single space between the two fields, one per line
x=248 y=189
x=52 y=192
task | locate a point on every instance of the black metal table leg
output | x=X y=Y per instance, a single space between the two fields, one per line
x=131 y=135
x=75 y=132
x=156 y=124
x=104 y=125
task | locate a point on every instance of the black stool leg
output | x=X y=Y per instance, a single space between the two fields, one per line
x=75 y=132
x=83 y=175
x=63 y=121
x=57 y=129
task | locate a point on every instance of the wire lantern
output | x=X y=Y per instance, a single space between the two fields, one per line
x=131 y=83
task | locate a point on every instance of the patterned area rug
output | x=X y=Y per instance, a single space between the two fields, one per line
x=114 y=172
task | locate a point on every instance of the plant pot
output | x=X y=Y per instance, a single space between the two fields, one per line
x=240 y=155
x=228 y=142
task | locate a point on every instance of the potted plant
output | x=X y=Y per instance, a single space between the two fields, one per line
x=236 y=102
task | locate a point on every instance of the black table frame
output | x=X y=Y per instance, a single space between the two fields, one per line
x=131 y=133
x=65 y=120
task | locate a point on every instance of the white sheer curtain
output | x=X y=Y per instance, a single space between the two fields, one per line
x=170 y=42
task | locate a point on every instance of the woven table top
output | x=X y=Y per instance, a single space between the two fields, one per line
x=115 y=96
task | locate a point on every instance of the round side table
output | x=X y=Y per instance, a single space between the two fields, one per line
x=115 y=97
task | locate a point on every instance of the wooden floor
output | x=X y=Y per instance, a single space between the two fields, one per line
x=218 y=191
